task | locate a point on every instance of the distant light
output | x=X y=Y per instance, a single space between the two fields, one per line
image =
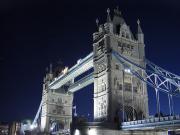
x=77 y=132
x=79 y=61
x=43 y=123
x=51 y=128
x=65 y=70
x=92 y=132
x=127 y=70
x=31 y=127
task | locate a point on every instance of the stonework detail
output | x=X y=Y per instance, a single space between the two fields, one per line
x=116 y=90
x=56 y=107
x=118 y=95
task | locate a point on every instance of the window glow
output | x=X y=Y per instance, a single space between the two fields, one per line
x=127 y=70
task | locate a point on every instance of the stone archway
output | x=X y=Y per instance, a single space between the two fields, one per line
x=130 y=114
x=140 y=115
x=56 y=125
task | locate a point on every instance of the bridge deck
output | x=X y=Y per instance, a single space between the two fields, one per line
x=153 y=123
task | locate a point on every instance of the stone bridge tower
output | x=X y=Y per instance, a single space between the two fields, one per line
x=56 y=106
x=118 y=95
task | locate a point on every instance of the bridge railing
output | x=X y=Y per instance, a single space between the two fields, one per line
x=152 y=120
x=61 y=132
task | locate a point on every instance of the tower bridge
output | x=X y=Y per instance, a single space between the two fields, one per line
x=120 y=75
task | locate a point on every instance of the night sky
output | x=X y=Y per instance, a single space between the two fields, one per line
x=35 y=33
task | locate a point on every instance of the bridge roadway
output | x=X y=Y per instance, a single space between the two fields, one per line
x=161 y=123
x=78 y=69
x=170 y=123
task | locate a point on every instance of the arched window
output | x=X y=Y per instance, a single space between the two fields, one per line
x=123 y=34
x=127 y=36
x=103 y=86
x=117 y=29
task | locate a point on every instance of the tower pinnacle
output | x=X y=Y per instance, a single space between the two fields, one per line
x=97 y=22
x=117 y=12
x=47 y=69
x=140 y=35
x=139 y=27
x=50 y=68
x=108 y=15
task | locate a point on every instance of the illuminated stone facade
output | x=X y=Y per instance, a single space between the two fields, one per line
x=118 y=95
x=115 y=89
x=56 y=107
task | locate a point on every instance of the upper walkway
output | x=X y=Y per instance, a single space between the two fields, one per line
x=82 y=66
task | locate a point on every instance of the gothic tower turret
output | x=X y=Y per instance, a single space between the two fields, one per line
x=140 y=39
x=56 y=103
x=118 y=95
x=140 y=35
x=44 y=118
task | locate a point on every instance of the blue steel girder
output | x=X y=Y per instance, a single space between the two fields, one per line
x=154 y=76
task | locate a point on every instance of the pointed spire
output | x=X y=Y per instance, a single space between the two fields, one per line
x=117 y=12
x=140 y=35
x=47 y=69
x=97 y=22
x=139 y=27
x=50 y=68
x=108 y=15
